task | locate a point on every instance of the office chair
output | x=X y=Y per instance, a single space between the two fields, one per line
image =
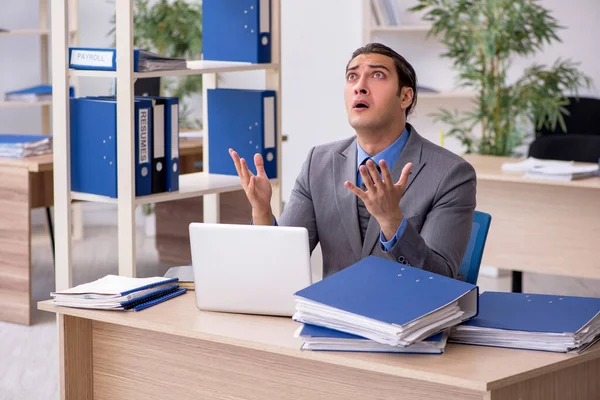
x=582 y=119
x=469 y=268
x=569 y=147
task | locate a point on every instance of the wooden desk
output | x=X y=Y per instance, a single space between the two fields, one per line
x=539 y=226
x=26 y=184
x=175 y=351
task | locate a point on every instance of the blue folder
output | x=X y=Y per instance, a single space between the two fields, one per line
x=246 y=121
x=532 y=321
x=38 y=90
x=390 y=295
x=534 y=312
x=151 y=299
x=236 y=30
x=94 y=146
x=21 y=140
x=320 y=338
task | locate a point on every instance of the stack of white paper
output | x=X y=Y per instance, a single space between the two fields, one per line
x=114 y=292
x=531 y=162
x=17 y=146
x=562 y=172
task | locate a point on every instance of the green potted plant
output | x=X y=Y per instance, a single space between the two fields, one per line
x=482 y=38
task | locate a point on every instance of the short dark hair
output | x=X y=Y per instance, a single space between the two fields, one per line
x=405 y=71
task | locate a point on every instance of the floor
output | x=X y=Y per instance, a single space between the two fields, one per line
x=29 y=354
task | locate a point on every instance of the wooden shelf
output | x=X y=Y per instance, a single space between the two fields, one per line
x=190 y=185
x=29 y=32
x=401 y=28
x=445 y=95
x=8 y=104
x=196 y=67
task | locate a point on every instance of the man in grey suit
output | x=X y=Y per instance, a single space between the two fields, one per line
x=387 y=191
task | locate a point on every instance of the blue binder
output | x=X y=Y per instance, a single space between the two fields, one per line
x=246 y=121
x=94 y=146
x=236 y=30
x=171 y=141
x=319 y=338
x=534 y=312
x=392 y=295
x=566 y=324
x=165 y=160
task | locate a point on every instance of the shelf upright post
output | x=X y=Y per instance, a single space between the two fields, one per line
x=125 y=139
x=367 y=20
x=210 y=202
x=61 y=144
x=44 y=72
x=273 y=82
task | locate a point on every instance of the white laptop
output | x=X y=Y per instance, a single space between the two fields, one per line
x=249 y=269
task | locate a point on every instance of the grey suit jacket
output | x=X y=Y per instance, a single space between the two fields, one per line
x=439 y=203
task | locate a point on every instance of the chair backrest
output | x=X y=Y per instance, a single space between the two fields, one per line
x=583 y=118
x=570 y=147
x=469 y=268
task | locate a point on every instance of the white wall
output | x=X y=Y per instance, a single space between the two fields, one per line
x=317 y=43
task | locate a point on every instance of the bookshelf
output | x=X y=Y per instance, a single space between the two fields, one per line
x=43 y=32
x=191 y=185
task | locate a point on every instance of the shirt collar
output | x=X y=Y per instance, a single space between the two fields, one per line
x=390 y=154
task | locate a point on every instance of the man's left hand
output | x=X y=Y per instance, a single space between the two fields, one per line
x=382 y=196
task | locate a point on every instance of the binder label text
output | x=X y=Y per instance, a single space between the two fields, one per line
x=92 y=58
x=143 y=137
x=174 y=131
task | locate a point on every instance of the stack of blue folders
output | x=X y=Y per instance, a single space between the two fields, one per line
x=319 y=338
x=404 y=308
x=565 y=324
x=119 y=293
x=18 y=146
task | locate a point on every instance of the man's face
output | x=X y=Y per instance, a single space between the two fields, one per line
x=371 y=92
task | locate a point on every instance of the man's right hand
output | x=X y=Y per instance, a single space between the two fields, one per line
x=257 y=187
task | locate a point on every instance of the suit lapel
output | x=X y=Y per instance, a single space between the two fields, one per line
x=344 y=169
x=410 y=153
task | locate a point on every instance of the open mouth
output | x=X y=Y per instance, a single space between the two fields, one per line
x=360 y=104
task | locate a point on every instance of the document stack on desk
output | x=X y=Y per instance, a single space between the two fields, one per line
x=325 y=339
x=184 y=275
x=387 y=302
x=119 y=293
x=565 y=324
x=19 y=146
x=556 y=170
x=562 y=172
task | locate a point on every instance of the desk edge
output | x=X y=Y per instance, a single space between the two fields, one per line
x=325 y=357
